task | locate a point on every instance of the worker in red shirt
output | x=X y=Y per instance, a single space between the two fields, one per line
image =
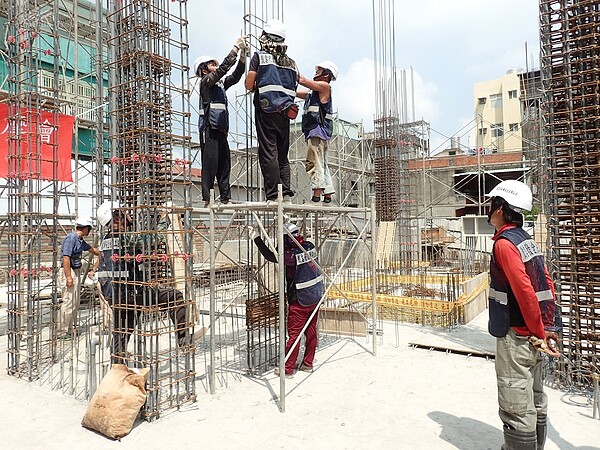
x=304 y=289
x=523 y=317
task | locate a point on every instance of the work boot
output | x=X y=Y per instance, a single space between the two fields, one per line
x=519 y=440
x=287 y=375
x=304 y=368
x=183 y=338
x=541 y=430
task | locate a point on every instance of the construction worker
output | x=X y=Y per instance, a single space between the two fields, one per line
x=524 y=318
x=213 y=123
x=69 y=274
x=273 y=76
x=304 y=287
x=121 y=276
x=317 y=126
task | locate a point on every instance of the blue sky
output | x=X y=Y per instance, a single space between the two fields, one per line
x=450 y=44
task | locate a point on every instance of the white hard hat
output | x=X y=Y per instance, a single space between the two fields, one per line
x=516 y=193
x=84 y=221
x=275 y=27
x=203 y=59
x=104 y=213
x=292 y=228
x=329 y=65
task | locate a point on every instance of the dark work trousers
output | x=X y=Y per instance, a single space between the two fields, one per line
x=297 y=317
x=127 y=311
x=273 y=132
x=216 y=162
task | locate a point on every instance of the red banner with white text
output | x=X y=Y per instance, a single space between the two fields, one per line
x=45 y=147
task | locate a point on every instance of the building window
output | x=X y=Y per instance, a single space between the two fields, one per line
x=512 y=94
x=513 y=127
x=47 y=81
x=496 y=100
x=497 y=130
x=482 y=131
x=79 y=99
x=481 y=100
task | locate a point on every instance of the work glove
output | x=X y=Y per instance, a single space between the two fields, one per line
x=544 y=346
x=253 y=232
x=241 y=43
x=286 y=219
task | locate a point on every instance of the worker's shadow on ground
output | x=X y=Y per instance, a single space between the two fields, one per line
x=471 y=434
x=466 y=433
x=554 y=436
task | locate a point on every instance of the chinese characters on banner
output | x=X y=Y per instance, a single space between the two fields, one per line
x=39 y=161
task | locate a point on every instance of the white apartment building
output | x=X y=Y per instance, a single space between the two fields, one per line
x=498 y=114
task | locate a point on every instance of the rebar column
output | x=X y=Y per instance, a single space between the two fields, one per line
x=571 y=83
x=395 y=188
x=32 y=120
x=150 y=132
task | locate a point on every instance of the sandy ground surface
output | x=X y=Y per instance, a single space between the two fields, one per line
x=401 y=398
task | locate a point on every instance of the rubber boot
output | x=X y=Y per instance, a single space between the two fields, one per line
x=519 y=440
x=541 y=430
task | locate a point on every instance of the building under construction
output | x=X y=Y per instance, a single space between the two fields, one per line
x=118 y=74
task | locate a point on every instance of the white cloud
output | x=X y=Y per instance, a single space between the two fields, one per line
x=354 y=93
x=426 y=105
x=511 y=58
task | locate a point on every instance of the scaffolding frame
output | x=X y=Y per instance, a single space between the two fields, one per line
x=263 y=309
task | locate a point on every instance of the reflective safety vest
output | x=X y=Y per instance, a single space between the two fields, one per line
x=504 y=309
x=317 y=114
x=276 y=84
x=216 y=109
x=308 y=278
x=117 y=264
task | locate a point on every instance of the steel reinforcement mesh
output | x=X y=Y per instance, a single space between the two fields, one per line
x=32 y=120
x=569 y=33
x=151 y=183
x=262 y=328
x=386 y=188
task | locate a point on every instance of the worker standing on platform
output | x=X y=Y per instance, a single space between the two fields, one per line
x=123 y=282
x=524 y=318
x=304 y=287
x=69 y=274
x=273 y=76
x=317 y=126
x=213 y=123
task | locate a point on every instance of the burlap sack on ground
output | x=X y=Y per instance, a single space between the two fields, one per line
x=117 y=402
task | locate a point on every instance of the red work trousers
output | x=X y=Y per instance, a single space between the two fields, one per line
x=297 y=317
